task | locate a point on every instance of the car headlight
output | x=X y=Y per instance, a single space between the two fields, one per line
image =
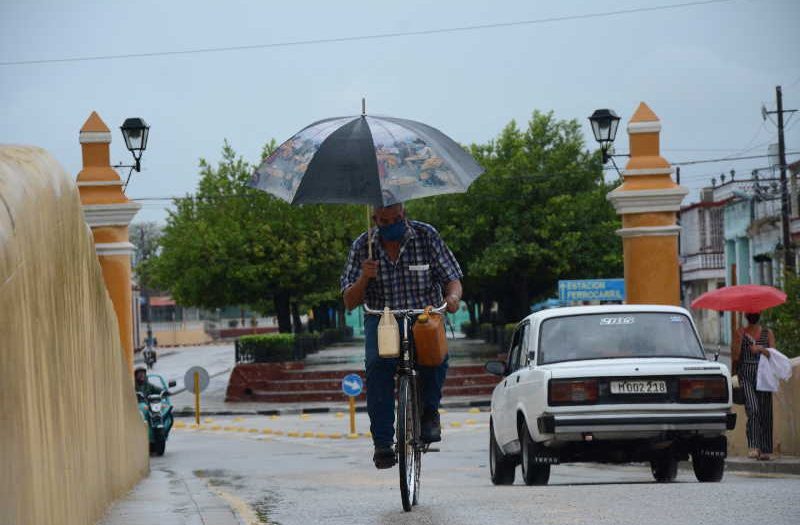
x=713 y=389
x=572 y=391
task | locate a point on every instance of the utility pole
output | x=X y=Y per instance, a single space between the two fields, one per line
x=788 y=251
x=145 y=292
x=680 y=257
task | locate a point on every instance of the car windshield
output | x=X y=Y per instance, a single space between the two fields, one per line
x=618 y=335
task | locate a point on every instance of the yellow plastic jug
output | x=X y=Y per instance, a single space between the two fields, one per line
x=429 y=338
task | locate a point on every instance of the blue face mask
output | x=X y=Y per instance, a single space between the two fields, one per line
x=393 y=232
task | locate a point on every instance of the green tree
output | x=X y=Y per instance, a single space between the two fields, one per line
x=538 y=214
x=231 y=244
x=784 y=320
x=145 y=237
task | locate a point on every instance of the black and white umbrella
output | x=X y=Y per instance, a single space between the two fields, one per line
x=363 y=159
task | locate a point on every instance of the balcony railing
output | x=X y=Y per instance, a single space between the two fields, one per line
x=703 y=261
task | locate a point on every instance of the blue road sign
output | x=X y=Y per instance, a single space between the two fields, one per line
x=352 y=385
x=591 y=290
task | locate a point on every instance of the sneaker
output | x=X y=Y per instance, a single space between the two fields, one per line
x=431 y=427
x=384 y=457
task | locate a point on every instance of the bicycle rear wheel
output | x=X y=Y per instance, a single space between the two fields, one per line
x=407 y=449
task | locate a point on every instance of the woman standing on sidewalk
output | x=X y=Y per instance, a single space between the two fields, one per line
x=749 y=345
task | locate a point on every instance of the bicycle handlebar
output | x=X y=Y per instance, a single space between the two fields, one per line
x=407 y=311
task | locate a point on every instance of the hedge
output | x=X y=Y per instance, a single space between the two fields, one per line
x=270 y=348
x=267 y=348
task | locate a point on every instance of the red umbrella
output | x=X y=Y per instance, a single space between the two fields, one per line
x=748 y=298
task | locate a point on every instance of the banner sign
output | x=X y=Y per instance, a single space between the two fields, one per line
x=603 y=290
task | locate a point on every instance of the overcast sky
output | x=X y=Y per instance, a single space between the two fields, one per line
x=705 y=70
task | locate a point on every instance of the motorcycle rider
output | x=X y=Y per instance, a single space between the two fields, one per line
x=150 y=357
x=143 y=386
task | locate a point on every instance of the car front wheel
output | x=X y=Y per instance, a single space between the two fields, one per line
x=501 y=467
x=532 y=472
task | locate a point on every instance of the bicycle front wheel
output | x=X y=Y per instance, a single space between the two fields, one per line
x=407 y=449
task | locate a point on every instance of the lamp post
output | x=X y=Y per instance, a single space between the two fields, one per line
x=135 y=132
x=604 y=127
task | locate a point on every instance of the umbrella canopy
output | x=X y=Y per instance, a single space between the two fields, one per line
x=748 y=298
x=378 y=161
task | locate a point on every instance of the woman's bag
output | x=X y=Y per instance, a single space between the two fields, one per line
x=737 y=391
x=430 y=341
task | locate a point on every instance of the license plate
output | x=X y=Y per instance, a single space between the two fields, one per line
x=639 y=387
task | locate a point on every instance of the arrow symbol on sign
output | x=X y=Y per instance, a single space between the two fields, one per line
x=352 y=384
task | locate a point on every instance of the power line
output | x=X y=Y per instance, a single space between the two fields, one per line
x=726 y=159
x=367 y=37
x=722 y=159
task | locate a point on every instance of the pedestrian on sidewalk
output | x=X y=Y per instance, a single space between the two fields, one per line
x=750 y=345
x=412 y=268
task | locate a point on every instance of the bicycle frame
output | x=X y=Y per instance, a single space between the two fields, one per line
x=408 y=399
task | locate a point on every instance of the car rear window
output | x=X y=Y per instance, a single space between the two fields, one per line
x=618 y=335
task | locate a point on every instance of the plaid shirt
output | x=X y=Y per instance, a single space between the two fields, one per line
x=418 y=277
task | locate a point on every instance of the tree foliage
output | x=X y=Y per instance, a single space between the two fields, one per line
x=145 y=237
x=785 y=319
x=231 y=244
x=538 y=214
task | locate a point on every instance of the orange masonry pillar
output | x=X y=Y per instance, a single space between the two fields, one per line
x=648 y=200
x=108 y=213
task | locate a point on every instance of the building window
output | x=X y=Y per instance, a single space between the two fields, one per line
x=717 y=237
x=703 y=230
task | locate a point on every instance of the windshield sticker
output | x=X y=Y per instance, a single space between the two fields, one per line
x=616 y=320
x=676 y=319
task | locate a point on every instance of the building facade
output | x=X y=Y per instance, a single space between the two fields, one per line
x=733 y=236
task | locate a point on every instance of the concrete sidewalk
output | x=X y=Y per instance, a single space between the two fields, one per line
x=166 y=499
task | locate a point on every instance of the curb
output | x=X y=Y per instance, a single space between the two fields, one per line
x=738 y=464
x=138 y=359
x=313 y=410
x=215 y=426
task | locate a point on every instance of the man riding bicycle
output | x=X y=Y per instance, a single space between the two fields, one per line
x=412 y=268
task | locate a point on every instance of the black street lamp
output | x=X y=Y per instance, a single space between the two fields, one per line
x=604 y=126
x=135 y=132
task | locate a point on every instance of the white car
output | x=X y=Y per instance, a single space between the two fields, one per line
x=612 y=384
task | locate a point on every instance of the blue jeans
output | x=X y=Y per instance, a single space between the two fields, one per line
x=380 y=384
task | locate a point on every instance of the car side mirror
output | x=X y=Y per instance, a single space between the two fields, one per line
x=171 y=383
x=497 y=368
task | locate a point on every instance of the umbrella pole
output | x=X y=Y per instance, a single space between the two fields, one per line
x=369 y=239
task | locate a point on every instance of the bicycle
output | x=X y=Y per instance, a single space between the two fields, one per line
x=409 y=448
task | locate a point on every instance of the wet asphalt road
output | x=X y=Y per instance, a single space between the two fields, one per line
x=295 y=480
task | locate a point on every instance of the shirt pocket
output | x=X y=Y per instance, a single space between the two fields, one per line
x=419 y=274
